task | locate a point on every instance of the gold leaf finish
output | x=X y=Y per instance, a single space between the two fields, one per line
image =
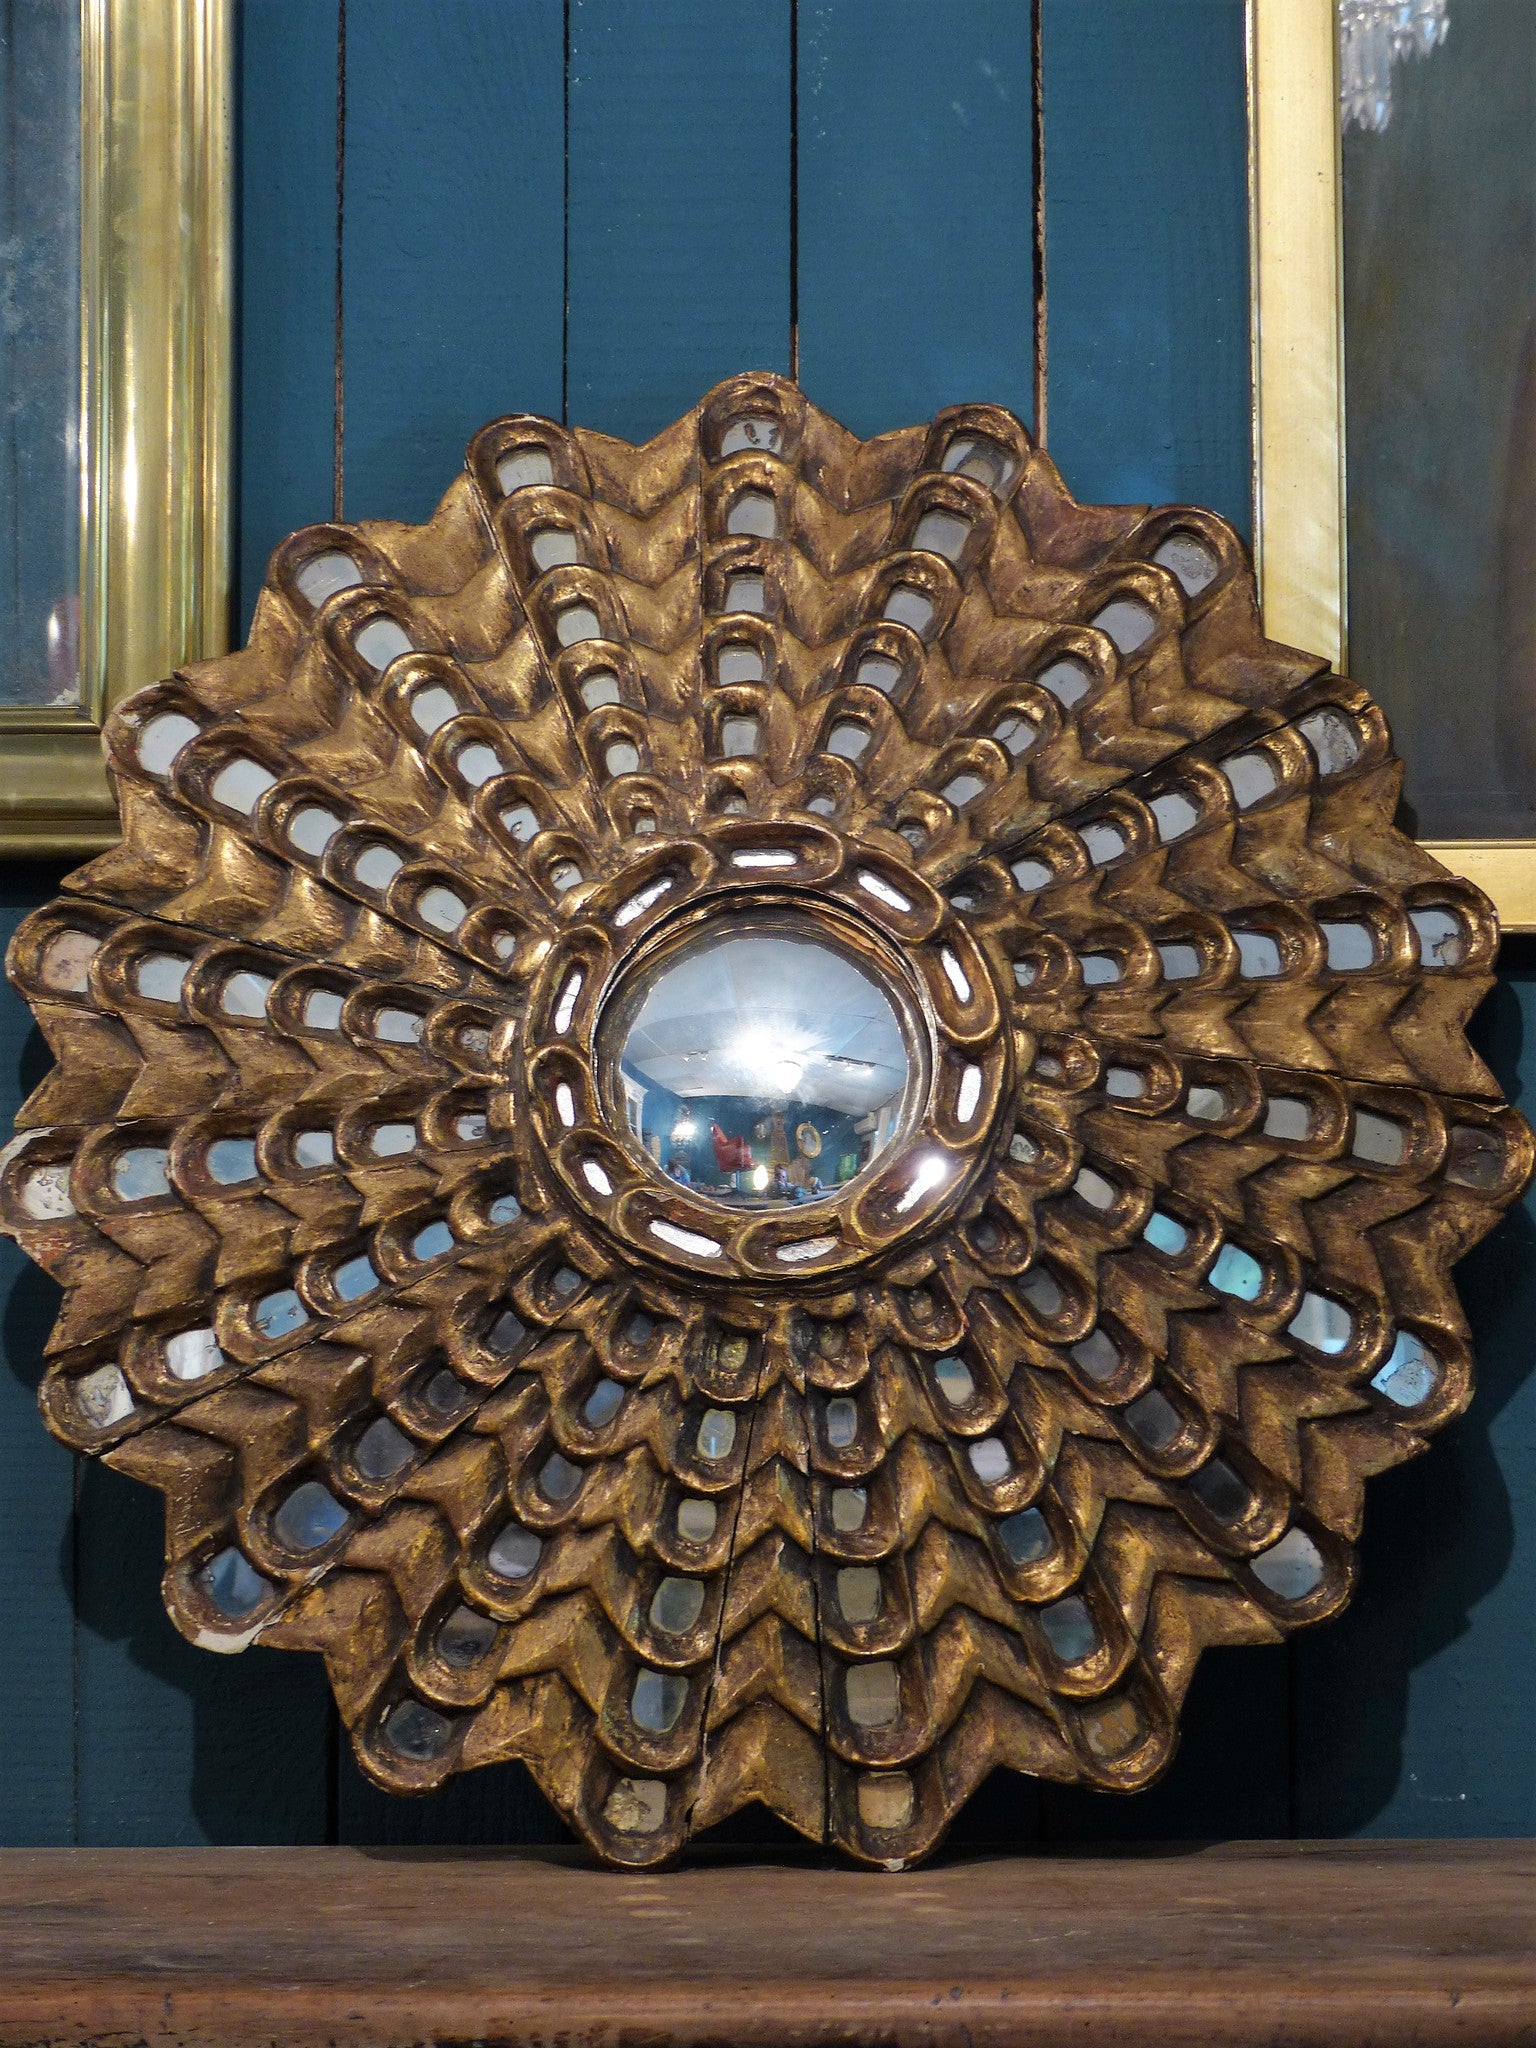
x=834 y=1507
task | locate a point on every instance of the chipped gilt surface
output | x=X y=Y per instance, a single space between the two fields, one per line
x=839 y=1508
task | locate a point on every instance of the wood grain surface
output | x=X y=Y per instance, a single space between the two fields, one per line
x=1303 y=1943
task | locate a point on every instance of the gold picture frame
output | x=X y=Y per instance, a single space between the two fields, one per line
x=156 y=184
x=1299 y=450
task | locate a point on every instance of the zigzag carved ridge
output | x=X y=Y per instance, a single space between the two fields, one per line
x=846 y=1546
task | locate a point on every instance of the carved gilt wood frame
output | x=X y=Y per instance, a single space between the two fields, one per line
x=155 y=398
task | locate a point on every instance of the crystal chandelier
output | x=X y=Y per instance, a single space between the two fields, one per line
x=1374 y=35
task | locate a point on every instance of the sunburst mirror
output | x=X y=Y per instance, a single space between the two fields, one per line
x=761 y=1118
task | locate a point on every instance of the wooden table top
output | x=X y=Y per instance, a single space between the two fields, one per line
x=1357 y=1943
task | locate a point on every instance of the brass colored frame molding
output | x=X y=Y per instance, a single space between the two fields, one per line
x=1504 y=869
x=155 y=398
x=1295 y=300
x=1299 y=462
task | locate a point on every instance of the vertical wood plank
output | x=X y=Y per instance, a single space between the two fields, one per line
x=678 y=238
x=37 y=1806
x=286 y=167
x=1146 y=251
x=679 y=244
x=916 y=267
x=176 y=1745
x=454 y=291
x=1148 y=388
x=452 y=238
x=1414 y=1710
x=915 y=285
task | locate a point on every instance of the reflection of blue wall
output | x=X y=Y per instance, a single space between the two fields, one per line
x=837 y=1141
x=738 y=1117
x=659 y=1111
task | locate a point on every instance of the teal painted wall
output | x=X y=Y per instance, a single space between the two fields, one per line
x=595 y=211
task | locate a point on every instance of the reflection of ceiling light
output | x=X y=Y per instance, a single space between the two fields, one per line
x=683 y=1130
x=929 y=1173
x=761 y=1056
x=759 y=1178
x=752 y=1050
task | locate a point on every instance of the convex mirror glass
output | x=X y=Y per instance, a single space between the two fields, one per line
x=760 y=1063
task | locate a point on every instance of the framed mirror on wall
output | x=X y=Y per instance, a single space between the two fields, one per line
x=116 y=380
x=1394 y=318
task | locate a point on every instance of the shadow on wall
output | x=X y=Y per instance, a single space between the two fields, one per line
x=1440 y=1536
x=151 y=1740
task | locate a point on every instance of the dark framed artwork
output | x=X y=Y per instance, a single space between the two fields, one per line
x=1439 y=241
x=1393 y=194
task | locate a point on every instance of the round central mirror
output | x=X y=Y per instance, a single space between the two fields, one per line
x=760 y=1061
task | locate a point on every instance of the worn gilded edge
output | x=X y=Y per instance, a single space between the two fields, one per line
x=54 y=794
x=1296 y=313
x=1504 y=869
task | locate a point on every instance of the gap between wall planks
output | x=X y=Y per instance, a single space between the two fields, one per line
x=603 y=206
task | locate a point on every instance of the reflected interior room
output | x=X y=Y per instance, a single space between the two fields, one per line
x=763 y=1067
